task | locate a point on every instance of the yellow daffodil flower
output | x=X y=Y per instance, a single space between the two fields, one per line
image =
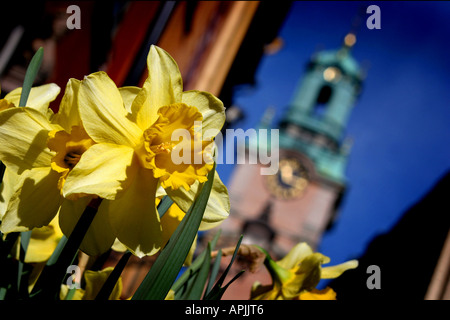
x=117 y=147
x=296 y=276
x=39 y=99
x=39 y=149
x=132 y=154
x=94 y=282
x=43 y=240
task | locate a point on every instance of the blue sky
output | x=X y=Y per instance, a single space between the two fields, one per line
x=401 y=123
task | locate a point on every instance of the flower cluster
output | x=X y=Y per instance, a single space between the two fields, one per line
x=109 y=143
x=108 y=155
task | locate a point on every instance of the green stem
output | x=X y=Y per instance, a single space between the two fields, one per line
x=277 y=273
x=22 y=287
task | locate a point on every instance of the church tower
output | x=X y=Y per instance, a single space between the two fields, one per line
x=299 y=201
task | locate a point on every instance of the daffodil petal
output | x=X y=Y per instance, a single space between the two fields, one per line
x=128 y=95
x=134 y=217
x=335 y=271
x=217 y=209
x=95 y=281
x=325 y=294
x=78 y=295
x=4 y=104
x=306 y=277
x=43 y=242
x=68 y=115
x=160 y=192
x=170 y=221
x=175 y=176
x=162 y=87
x=264 y=292
x=35 y=201
x=23 y=139
x=103 y=113
x=70 y=212
x=210 y=107
x=104 y=169
x=7 y=188
x=295 y=256
x=98 y=238
x=39 y=97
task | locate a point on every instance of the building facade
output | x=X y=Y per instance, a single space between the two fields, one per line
x=301 y=200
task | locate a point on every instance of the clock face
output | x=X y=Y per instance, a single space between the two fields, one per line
x=290 y=181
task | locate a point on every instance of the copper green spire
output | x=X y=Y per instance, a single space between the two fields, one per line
x=320 y=108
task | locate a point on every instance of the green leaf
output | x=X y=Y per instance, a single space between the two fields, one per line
x=110 y=283
x=3 y=292
x=218 y=290
x=70 y=293
x=164 y=271
x=164 y=205
x=196 y=283
x=217 y=293
x=57 y=252
x=214 y=271
x=30 y=75
x=180 y=285
x=22 y=275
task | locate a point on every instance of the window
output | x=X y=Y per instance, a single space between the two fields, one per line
x=323 y=98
